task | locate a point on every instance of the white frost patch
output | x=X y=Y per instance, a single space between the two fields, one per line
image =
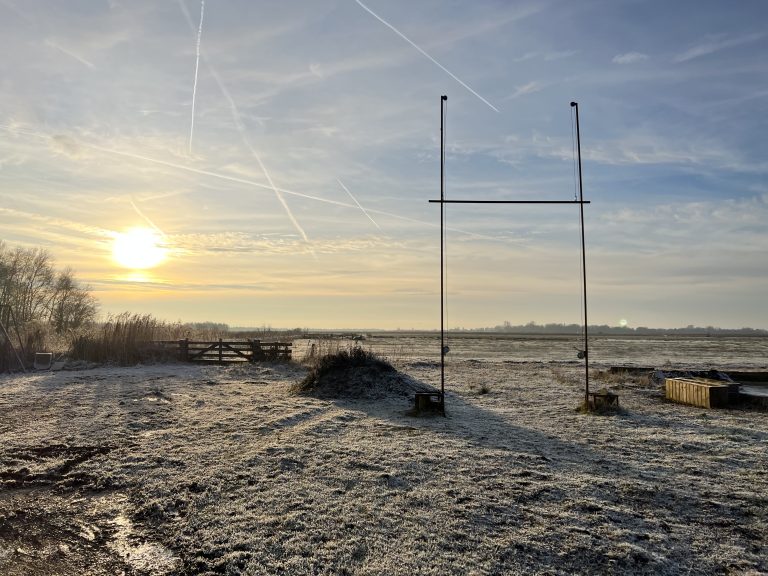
x=146 y=557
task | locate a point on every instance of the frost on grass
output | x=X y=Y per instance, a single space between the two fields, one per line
x=201 y=470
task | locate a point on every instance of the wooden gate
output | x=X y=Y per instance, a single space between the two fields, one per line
x=228 y=351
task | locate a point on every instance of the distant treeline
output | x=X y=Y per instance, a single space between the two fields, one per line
x=690 y=330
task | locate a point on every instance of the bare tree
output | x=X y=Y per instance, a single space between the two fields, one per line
x=33 y=290
x=71 y=305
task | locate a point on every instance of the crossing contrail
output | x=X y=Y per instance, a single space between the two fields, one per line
x=146 y=218
x=197 y=68
x=18 y=130
x=237 y=119
x=412 y=43
x=358 y=203
x=246 y=182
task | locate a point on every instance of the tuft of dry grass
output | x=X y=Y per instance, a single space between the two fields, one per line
x=621 y=380
x=561 y=377
x=322 y=348
x=338 y=361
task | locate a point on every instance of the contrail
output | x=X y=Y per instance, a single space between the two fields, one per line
x=146 y=218
x=63 y=50
x=197 y=67
x=358 y=203
x=237 y=119
x=246 y=182
x=443 y=68
x=16 y=129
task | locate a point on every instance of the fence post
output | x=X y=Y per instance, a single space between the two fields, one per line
x=221 y=352
x=184 y=350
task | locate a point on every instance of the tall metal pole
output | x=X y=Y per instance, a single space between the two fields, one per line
x=443 y=99
x=583 y=263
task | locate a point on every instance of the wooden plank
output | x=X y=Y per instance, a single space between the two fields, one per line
x=236 y=351
x=201 y=352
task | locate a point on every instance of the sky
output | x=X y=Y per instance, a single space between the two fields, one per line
x=282 y=155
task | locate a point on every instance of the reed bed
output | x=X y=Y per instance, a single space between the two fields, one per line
x=126 y=339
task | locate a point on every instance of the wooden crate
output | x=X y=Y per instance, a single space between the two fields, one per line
x=702 y=392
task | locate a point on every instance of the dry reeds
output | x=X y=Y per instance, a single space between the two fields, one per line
x=322 y=348
x=30 y=338
x=126 y=339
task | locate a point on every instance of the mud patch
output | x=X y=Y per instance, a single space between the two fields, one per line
x=46 y=465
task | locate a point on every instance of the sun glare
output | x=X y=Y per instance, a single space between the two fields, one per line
x=138 y=248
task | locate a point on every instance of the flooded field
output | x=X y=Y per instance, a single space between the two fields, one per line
x=673 y=352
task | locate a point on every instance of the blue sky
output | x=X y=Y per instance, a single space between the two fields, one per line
x=302 y=110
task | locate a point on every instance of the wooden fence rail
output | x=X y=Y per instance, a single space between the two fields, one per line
x=226 y=351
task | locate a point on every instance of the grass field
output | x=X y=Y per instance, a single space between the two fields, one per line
x=181 y=469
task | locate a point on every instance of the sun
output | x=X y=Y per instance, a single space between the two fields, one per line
x=138 y=248
x=623 y=322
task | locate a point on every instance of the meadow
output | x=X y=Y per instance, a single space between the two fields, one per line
x=171 y=468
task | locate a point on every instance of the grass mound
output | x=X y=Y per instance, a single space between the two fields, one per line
x=357 y=373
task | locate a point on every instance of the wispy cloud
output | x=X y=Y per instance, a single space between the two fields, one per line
x=546 y=56
x=412 y=43
x=528 y=88
x=716 y=43
x=55 y=222
x=629 y=58
x=526 y=56
x=50 y=43
x=549 y=56
x=76 y=150
x=262 y=244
